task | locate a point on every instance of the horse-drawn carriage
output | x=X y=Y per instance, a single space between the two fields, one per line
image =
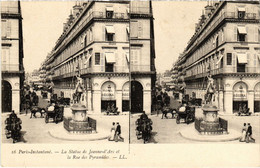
x=13 y=127
x=186 y=113
x=144 y=128
x=170 y=110
x=56 y=113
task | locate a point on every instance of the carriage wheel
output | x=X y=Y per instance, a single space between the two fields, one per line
x=46 y=119
x=56 y=119
x=187 y=119
x=178 y=119
x=174 y=113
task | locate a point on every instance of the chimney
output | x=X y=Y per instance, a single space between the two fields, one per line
x=208 y=9
x=76 y=10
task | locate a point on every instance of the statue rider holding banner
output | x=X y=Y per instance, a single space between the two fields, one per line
x=210 y=90
x=79 y=88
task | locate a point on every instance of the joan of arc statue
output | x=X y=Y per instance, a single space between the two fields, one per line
x=210 y=91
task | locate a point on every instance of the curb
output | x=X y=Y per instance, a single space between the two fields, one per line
x=209 y=138
x=83 y=139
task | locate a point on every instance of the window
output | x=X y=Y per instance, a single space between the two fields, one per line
x=110 y=33
x=109 y=37
x=241 y=13
x=109 y=12
x=97 y=58
x=110 y=61
x=229 y=58
x=241 y=35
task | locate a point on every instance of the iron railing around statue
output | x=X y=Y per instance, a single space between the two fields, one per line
x=223 y=127
x=71 y=126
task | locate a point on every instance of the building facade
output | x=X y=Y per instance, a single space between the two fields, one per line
x=95 y=44
x=226 y=46
x=11 y=55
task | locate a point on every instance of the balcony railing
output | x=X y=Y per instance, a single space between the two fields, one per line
x=220 y=18
x=10 y=67
x=9 y=10
x=226 y=70
x=93 y=15
x=101 y=69
x=140 y=10
x=140 y=68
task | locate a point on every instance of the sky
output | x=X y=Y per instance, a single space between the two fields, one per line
x=174 y=24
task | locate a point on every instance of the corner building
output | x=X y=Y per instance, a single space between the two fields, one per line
x=95 y=43
x=226 y=45
x=11 y=56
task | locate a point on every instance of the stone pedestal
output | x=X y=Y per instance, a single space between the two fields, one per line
x=79 y=122
x=210 y=123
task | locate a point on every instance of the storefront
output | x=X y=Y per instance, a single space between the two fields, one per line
x=108 y=92
x=239 y=96
x=125 y=97
x=257 y=98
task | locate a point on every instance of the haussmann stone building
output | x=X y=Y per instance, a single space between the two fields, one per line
x=96 y=43
x=11 y=56
x=226 y=45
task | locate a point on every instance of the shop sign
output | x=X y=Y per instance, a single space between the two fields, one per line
x=126 y=91
x=257 y=92
x=240 y=92
x=108 y=91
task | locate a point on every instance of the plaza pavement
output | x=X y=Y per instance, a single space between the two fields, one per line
x=167 y=131
x=35 y=130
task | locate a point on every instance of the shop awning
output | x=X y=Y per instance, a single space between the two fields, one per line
x=109 y=9
x=242 y=58
x=110 y=58
x=127 y=57
x=241 y=30
x=110 y=29
x=241 y=9
x=221 y=56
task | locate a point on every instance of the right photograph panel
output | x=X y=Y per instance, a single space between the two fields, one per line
x=194 y=72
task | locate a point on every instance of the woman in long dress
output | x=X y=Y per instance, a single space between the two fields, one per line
x=112 y=134
x=243 y=137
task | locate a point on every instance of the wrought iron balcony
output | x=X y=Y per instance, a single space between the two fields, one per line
x=10 y=67
x=225 y=70
x=9 y=10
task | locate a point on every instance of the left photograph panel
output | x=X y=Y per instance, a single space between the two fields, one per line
x=65 y=72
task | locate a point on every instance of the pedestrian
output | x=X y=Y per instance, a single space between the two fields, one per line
x=118 y=133
x=159 y=102
x=243 y=136
x=249 y=134
x=240 y=109
x=112 y=132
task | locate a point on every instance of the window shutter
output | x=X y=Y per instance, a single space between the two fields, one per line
x=248 y=59
x=134 y=29
x=140 y=29
x=247 y=35
x=8 y=33
x=256 y=34
x=235 y=33
x=102 y=61
x=234 y=60
x=104 y=33
x=117 y=61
